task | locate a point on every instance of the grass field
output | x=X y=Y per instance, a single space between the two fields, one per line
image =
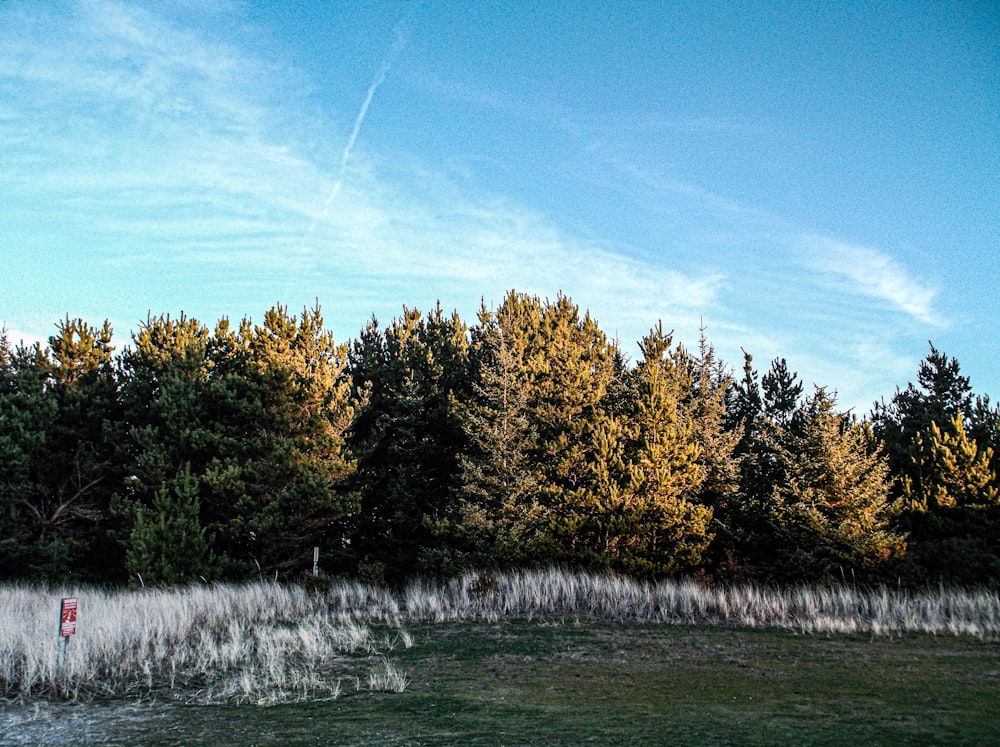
x=562 y=682
x=543 y=658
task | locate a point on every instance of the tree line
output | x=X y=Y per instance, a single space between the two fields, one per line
x=430 y=447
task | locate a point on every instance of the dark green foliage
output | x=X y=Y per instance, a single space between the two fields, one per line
x=782 y=394
x=259 y=417
x=941 y=443
x=167 y=544
x=282 y=403
x=763 y=421
x=407 y=438
x=58 y=410
x=428 y=447
x=940 y=392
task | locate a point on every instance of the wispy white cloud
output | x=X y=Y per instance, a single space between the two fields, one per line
x=872 y=273
x=199 y=191
x=196 y=175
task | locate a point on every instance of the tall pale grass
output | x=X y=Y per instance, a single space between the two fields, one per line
x=266 y=643
x=810 y=609
x=257 y=643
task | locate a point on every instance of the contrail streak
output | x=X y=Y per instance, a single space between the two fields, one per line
x=397 y=47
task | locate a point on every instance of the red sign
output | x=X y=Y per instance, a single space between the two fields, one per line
x=67 y=626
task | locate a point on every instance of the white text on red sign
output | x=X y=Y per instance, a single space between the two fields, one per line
x=67 y=626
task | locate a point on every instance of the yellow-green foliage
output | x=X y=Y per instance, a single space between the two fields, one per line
x=952 y=470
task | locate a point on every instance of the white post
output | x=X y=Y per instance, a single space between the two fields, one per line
x=315 y=561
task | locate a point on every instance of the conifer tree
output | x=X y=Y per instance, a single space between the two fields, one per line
x=167 y=544
x=947 y=478
x=57 y=409
x=782 y=392
x=833 y=510
x=983 y=427
x=280 y=403
x=497 y=510
x=951 y=470
x=706 y=409
x=639 y=510
x=258 y=416
x=164 y=375
x=745 y=404
x=408 y=437
x=573 y=365
x=564 y=367
x=941 y=391
x=764 y=417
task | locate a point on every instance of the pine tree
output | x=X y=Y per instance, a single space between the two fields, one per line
x=782 y=392
x=167 y=544
x=640 y=511
x=408 y=438
x=706 y=408
x=940 y=392
x=497 y=510
x=258 y=416
x=952 y=471
x=281 y=403
x=953 y=506
x=833 y=510
x=57 y=410
x=164 y=376
x=745 y=404
x=763 y=420
x=947 y=468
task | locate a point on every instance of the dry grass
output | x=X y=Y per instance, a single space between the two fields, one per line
x=807 y=609
x=268 y=643
x=255 y=643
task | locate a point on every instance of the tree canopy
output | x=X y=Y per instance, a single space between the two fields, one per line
x=429 y=446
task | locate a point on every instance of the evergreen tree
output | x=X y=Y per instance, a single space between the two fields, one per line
x=706 y=408
x=57 y=409
x=573 y=366
x=565 y=368
x=745 y=404
x=940 y=392
x=983 y=427
x=947 y=477
x=951 y=470
x=763 y=421
x=167 y=544
x=259 y=417
x=782 y=392
x=497 y=505
x=280 y=403
x=408 y=438
x=639 y=512
x=163 y=375
x=833 y=510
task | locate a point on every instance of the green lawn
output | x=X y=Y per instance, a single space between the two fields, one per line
x=569 y=682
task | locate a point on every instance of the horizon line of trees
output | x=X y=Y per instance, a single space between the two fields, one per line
x=432 y=447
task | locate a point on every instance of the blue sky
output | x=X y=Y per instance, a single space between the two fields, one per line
x=819 y=182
